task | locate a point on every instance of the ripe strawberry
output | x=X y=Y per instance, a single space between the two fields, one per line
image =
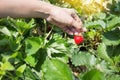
x=78 y=39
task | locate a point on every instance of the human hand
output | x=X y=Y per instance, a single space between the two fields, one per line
x=64 y=18
x=67 y=20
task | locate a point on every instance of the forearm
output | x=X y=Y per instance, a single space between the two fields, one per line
x=25 y=8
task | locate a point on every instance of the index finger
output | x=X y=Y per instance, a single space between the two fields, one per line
x=77 y=25
x=75 y=16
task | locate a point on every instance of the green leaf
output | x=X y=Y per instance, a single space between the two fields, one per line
x=29 y=74
x=113 y=51
x=111 y=37
x=95 y=24
x=101 y=15
x=56 y=48
x=7 y=66
x=92 y=33
x=102 y=52
x=31 y=23
x=94 y=74
x=83 y=58
x=113 y=23
x=3 y=41
x=21 y=68
x=104 y=66
x=59 y=39
x=40 y=58
x=113 y=77
x=33 y=44
x=31 y=60
x=55 y=69
x=15 y=44
x=2 y=72
x=101 y=23
x=14 y=55
x=117 y=61
x=5 y=31
x=116 y=50
x=63 y=57
x=22 y=26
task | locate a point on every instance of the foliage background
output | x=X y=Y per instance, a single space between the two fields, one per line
x=33 y=49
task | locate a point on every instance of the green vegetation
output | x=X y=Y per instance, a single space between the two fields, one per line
x=33 y=49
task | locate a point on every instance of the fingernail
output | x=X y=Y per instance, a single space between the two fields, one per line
x=70 y=33
x=76 y=33
x=80 y=34
x=84 y=29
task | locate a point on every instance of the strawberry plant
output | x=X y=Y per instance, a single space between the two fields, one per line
x=33 y=49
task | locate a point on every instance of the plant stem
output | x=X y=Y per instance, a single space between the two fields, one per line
x=45 y=23
x=47 y=35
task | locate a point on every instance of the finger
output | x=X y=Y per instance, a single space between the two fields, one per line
x=54 y=22
x=73 y=11
x=72 y=30
x=76 y=25
x=64 y=28
x=79 y=34
x=49 y=19
x=76 y=32
x=77 y=19
x=84 y=29
x=75 y=16
x=68 y=30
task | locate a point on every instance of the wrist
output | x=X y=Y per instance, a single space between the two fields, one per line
x=43 y=9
